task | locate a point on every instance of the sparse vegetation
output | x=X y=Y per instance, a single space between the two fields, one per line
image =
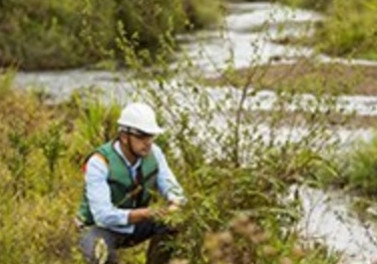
x=336 y=78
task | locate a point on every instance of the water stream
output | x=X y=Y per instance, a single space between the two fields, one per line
x=329 y=219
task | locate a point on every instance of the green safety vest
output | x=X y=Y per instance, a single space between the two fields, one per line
x=125 y=192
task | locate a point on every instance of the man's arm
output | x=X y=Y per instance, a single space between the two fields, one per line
x=99 y=198
x=166 y=182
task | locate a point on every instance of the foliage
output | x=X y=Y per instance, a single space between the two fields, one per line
x=349 y=29
x=40 y=34
x=93 y=121
x=55 y=34
x=356 y=170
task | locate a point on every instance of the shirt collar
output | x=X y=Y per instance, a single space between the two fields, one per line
x=120 y=152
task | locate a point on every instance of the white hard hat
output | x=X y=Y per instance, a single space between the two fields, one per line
x=140 y=116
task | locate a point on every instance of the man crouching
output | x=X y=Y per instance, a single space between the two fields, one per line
x=119 y=178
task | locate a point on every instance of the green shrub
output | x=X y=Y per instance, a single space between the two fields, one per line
x=359 y=169
x=42 y=35
x=350 y=29
x=62 y=34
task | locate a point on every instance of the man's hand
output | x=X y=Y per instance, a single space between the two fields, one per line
x=160 y=213
x=173 y=208
x=138 y=215
x=174 y=205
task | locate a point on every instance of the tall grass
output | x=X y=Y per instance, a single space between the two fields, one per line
x=356 y=170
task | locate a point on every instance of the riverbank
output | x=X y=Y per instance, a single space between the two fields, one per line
x=348 y=31
x=305 y=76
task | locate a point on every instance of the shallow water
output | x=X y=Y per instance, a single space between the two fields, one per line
x=327 y=218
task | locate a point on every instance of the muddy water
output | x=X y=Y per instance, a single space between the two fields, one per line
x=251 y=27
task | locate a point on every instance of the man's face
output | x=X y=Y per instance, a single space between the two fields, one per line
x=140 y=142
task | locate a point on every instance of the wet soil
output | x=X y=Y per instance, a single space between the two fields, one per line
x=303 y=119
x=304 y=76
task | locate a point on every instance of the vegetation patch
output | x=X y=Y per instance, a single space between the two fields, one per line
x=37 y=35
x=348 y=31
x=305 y=76
x=319 y=5
x=302 y=119
x=355 y=171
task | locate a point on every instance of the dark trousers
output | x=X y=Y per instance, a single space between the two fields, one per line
x=99 y=244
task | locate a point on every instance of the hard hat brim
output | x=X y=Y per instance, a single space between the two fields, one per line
x=152 y=131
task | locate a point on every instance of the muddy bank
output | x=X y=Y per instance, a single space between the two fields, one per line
x=300 y=118
x=305 y=76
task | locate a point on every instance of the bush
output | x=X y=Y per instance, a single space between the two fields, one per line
x=350 y=29
x=48 y=35
x=359 y=168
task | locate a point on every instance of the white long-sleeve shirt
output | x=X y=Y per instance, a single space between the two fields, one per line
x=105 y=214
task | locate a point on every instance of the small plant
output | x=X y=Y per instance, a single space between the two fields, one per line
x=358 y=169
x=94 y=124
x=6 y=81
x=53 y=148
x=18 y=162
